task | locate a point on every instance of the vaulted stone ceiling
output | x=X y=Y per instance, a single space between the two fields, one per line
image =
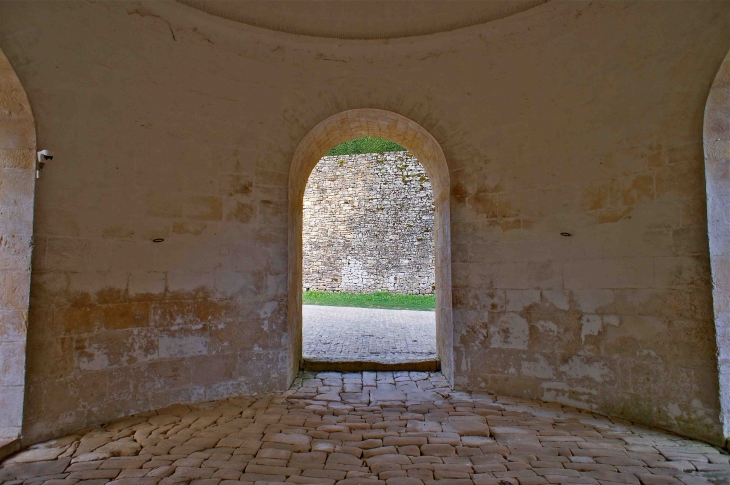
x=362 y=19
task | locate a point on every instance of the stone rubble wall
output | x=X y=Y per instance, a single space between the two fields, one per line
x=368 y=225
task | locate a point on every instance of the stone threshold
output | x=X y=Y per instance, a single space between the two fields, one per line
x=8 y=446
x=361 y=365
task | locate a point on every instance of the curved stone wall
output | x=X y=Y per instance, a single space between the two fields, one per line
x=717 y=157
x=363 y=20
x=17 y=182
x=575 y=117
x=368 y=225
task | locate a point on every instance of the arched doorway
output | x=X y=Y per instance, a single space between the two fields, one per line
x=399 y=129
x=368 y=261
x=716 y=138
x=17 y=186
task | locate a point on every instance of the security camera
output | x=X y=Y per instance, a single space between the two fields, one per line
x=43 y=157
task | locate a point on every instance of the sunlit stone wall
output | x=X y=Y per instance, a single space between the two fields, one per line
x=368 y=225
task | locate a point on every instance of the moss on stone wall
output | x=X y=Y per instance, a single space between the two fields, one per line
x=366 y=144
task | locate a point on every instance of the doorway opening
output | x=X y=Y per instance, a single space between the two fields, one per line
x=368 y=260
x=331 y=132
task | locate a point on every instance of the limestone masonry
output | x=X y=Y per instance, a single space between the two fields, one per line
x=368 y=225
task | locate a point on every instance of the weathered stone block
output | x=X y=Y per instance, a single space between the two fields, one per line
x=129 y=315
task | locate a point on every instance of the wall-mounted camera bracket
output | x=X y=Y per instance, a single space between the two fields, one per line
x=43 y=157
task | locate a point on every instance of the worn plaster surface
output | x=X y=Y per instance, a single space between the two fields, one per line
x=170 y=123
x=394 y=428
x=362 y=20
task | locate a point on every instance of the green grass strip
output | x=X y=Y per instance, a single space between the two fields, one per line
x=379 y=299
x=366 y=144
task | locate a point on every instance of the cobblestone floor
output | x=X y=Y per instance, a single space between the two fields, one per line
x=367 y=334
x=389 y=428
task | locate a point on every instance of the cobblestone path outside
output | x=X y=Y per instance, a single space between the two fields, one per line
x=384 y=428
x=367 y=334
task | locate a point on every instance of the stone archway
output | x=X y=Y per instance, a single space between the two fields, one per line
x=399 y=129
x=17 y=185
x=716 y=138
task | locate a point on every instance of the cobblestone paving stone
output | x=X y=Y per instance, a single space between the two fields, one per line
x=390 y=428
x=367 y=334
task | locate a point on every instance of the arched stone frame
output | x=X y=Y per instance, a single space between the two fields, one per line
x=383 y=124
x=17 y=186
x=716 y=138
